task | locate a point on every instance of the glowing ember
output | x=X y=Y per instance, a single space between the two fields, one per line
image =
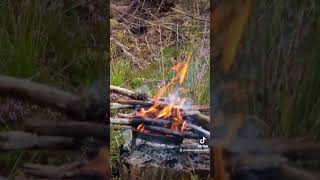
x=140 y=127
x=175 y=99
x=184 y=126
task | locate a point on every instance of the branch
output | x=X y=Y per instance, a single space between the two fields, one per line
x=125 y=50
x=199 y=129
x=137 y=121
x=68 y=128
x=161 y=105
x=128 y=93
x=71 y=104
x=14 y=140
x=163 y=130
x=96 y=168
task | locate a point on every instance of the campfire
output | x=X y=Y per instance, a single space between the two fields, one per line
x=168 y=117
x=162 y=127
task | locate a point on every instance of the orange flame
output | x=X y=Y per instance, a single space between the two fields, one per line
x=178 y=102
x=140 y=127
x=184 y=126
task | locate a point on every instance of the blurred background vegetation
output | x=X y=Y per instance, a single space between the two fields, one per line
x=58 y=43
x=281 y=52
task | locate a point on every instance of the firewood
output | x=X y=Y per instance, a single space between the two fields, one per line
x=201 y=119
x=120 y=106
x=128 y=93
x=161 y=105
x=165 y=131
x=68 y=128
x=199 y=129
x=122 y=115
x=137 y=121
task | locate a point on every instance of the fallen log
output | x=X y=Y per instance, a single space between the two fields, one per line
x=67 y=128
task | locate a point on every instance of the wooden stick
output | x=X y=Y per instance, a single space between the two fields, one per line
x=71 y=104
x=68 y=128
x=14 y=140
x=202 y=119
x=122 y=115
x=136 y=61
x=199 y=129
x=161 y=105
x=120 y=106
x=163 y=130
x=128 y=93
x=137 y=121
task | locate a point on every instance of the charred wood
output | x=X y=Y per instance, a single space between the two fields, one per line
x=136 y=121
x=167 y=131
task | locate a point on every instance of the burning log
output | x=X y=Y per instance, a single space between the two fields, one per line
x=136 y=121
x=153 y=125
x=165 y=131
x=161 y=105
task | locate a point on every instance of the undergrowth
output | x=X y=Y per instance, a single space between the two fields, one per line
x=281 y=48
x=49 y=42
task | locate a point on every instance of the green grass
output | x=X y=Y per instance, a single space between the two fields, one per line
x=46 y=42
